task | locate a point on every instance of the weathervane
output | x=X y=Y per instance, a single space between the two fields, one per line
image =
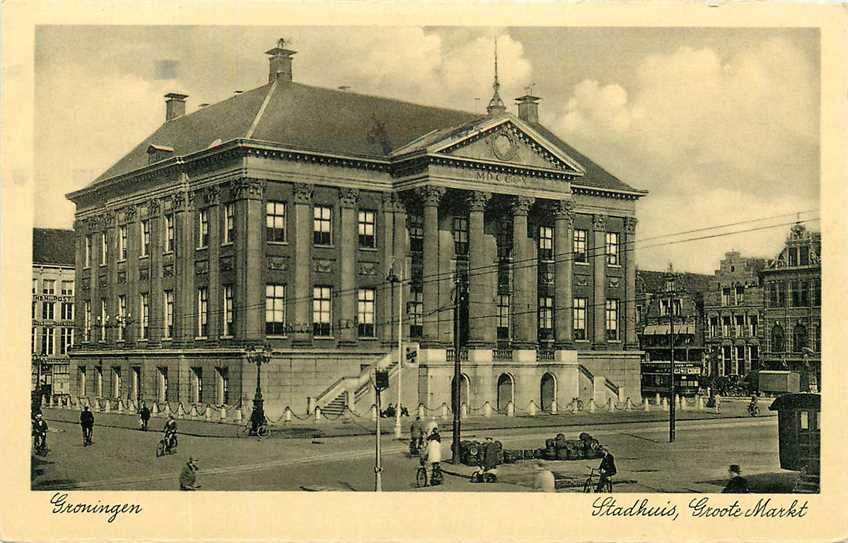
x=496 y=105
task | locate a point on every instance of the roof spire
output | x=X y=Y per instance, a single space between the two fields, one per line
x=496 y=105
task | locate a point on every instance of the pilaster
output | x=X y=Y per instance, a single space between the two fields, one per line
x=631 y=339
x=302 y=283
x=212 y=197
x=348 y=199
x=599 y=267
x=250 y=258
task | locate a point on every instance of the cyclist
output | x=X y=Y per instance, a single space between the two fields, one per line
x=39 y=430
x=257 y=420
x=606 y=469
x=87 y=423
x=753 y=407
x=170 y=432
x=434 y=457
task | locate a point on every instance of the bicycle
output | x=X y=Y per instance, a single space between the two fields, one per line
x=591 y=484
x=421 y=479
x=167 y=445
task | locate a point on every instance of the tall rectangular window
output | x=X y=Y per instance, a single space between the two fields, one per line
x=579 y=248
x=805 y=294
x=144 y=321
x=415 y=224
x=229 y=316
x=88 y=251
x=740 y=295
x=275 y=310
x=202 y=228
x=169 y=232
x=86 y=321
x=67 y=288
x=66 y=340
x=753 y=325
x=83 y=384
x=416 y=313
x=222 y=386
x=503 y=316
x=795 y=293
x=740 y=359
x=104 y=248
x=546 y=243
x=579 y=318
x=725 y=296
x=196 y=388
x=229 y=223
x=122 y=314
x=34 y=335
x=612 y=243
x=275 y=221
x=34 y=286
x=739 y=325
x=725 y=325
x=47 y=340
x=546 y=317
x=713 y=326
x=322 y=225
x=116 y=382
x=460 y=235
x=805 y=256
x=47 y=311
x=816 y=292
x=322 y=311
x=145 y=237
x=202 y=312
x=122 y=242
x=168 y=330
x=103 y=320
x=365 y=312
x=611 y=312
x=793 y=256
x=781 y=293
x=367 y=229
x=48 y=286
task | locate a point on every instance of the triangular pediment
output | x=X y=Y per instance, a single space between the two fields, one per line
x=508 y=141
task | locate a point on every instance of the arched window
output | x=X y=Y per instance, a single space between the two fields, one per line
x=777 y=341
x=799 y=338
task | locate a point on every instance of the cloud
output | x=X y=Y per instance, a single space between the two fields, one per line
x=714 y=139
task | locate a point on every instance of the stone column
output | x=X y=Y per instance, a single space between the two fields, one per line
x=523 y=307
x=348 y=199
x=631 y=339
x=212 y=196
x=599 y=269
x=250 y=259
x=563 y=271
x=302 y=277
x=431 y=198
x=481 y=309
x=154 y=297
x=184 y=295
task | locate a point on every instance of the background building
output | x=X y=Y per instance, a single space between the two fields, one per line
x=793 y=307
x=52 y=307
x=277 y=216
x=654 y=306
x=734 y=308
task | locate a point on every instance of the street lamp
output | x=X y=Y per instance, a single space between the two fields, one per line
x=399 y=280
x=258 y=357
x=669 y=289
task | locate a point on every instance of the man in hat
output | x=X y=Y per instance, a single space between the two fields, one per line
x=188 y=477
x=87 y=424
x=607 y=469
x=737 y=484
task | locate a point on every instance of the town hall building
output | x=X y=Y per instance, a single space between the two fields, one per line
x=295 y=216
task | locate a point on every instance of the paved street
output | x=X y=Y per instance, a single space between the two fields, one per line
x=124 y=459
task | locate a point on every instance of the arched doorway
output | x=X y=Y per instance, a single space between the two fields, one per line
x=506 y=388
x=547 y=392
x=464 y=390
x=777 y=339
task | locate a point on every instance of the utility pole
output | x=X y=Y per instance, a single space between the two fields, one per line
x=669 y=285
x=459 y=293
x=378 y=468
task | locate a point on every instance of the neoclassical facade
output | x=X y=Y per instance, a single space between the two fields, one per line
x=283 y=215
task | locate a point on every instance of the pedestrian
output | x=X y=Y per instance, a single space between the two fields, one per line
x=717 y=403
x=416 y=433
x=736 y=484
x=144 y=416
x=188 y=477
x=87 y=423
x=544 y=481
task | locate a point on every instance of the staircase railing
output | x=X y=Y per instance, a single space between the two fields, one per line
x=354 y=384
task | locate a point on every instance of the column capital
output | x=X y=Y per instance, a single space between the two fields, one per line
x=630 y=224
x=153 y=207
x=212 y=195
x=247 y=188
x=129 y=212
x=599 y=223
x=302 y=193
x=564 y=209
x=477 y=200
x=107 y=220
x=179 y=202
x=431 y=196
x=393 y=202
x=520 y=205
x=348 y=197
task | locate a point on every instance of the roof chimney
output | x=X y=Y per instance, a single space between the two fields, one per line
x=528 y=108
x=280 y=62
x=174 y=105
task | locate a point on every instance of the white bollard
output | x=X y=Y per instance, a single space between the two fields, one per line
x=120 y=406
x=155 y=410
x=646 y=405
x=444 y=411
x=107 y=406
x=237 y=415
x=510 y=409
x=421 y=413
x=554 y=407
x=591 y=405
x=317 y=414
x=288 y=414
x=487 y=409
x=610 y=405
x=683 y=404
x=531 y=408
x=193 y=412
x=627 y=405
x=700 y=403
x=207 y=414
x=463 y=411
x=657 y=400
x=223 y=413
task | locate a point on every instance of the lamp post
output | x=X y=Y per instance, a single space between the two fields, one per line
x=399 y=280
x=669 y=288
x=258 y=357
x=459 y=298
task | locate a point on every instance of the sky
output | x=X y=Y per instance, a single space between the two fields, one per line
x=721 y=126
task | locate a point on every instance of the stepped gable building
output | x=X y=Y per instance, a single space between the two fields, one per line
x=52 y=308
x=734 y=309
x=792 y=322
x=276 y=216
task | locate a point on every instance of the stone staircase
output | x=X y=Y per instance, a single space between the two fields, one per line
x=332 y=400
x=336 y=407
x=807 y=484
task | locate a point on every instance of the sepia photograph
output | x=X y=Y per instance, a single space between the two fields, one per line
x=427 y=259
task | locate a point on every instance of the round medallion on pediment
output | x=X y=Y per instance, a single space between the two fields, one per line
x=503 y=145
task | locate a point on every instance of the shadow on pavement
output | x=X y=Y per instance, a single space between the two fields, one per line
x=764 y=483
x=37 y=470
